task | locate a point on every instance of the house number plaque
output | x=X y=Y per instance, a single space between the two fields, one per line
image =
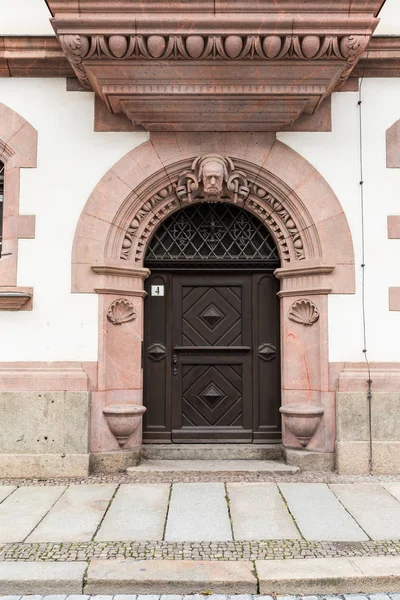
x=157 y=290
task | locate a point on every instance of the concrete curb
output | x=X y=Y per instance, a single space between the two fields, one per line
x=23 y=578
x=272 y=577
x=329 y=575
x=170 y=577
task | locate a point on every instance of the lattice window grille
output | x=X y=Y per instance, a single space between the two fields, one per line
x=215 y=231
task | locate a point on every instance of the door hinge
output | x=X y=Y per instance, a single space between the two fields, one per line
x=141 y=355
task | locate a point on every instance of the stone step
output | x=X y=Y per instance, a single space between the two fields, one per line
x=212 y=451
x=214 y=467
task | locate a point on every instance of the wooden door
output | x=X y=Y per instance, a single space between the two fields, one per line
x=211 y=358
x=211 y=344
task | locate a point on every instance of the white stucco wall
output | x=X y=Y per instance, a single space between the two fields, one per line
x=389 y=19
x=25 y=17
x=71 y=160
x=336 y=156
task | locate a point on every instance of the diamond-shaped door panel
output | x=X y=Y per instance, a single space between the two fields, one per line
x=212 y=395
x=212 y=316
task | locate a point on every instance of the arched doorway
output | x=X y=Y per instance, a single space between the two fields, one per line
x=273 y=183
x=211 y=329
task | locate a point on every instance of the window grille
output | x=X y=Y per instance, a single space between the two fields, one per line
x=1 y=204
x=212 y=232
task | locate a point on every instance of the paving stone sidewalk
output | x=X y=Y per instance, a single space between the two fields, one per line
x=199 y=521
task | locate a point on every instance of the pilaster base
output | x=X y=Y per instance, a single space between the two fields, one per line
x=310 y=461
x=113 y=462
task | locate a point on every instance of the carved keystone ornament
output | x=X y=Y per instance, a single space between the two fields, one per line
x=212 y=176
x=121 y=311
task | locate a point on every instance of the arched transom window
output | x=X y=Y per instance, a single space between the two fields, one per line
x=216 y=232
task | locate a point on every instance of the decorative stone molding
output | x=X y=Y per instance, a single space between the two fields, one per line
x=33 y=56
x=119 y=278
x=381 y=59
x=304 y=312
x=140 y=190
x=121 y=311
x=42 y=56
x=74 y=47
x=14 y=300
x=298 y=280
x=216 y=46
x=352 y=47
x=18 y=146
x=234 y=186
x=265 y=72
x=353 y=377
x=47 y=376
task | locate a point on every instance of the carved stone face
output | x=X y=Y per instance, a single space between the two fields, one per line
x=213 y=178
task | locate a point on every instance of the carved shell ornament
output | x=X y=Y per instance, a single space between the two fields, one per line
x=121 y=311
x=304 y=312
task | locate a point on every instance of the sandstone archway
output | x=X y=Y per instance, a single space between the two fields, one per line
x=285 y=192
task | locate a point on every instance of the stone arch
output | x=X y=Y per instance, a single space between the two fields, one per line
x=18 y=149
x=287 y=194
x=296 y=204
x=269 y=200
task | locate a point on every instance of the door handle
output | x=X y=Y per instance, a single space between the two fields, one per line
x=175 y=365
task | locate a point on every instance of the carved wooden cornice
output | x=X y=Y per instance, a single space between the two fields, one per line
x=220 y=65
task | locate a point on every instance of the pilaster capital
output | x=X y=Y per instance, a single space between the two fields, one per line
x=305 y=278
x=116 y=278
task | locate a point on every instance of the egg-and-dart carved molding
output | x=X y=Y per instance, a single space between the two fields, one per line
x=121 y=311
x=205 y=47
x=261 y=202
x=304 y=312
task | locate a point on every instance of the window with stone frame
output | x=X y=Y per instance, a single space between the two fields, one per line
x=1 y=204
